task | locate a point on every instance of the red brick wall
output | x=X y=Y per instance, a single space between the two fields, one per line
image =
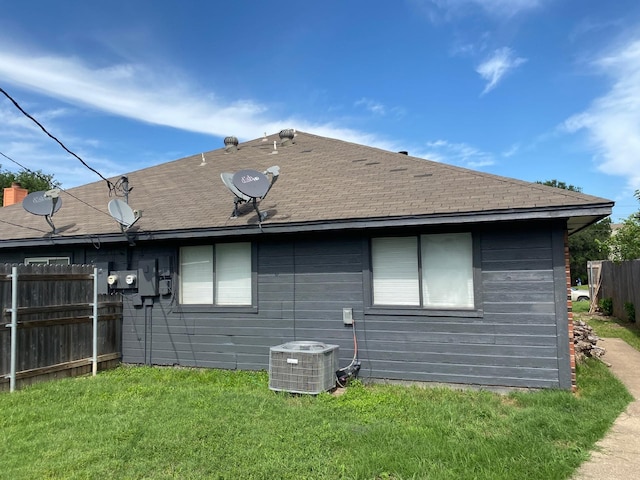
x=572 y=352
x=14 y=194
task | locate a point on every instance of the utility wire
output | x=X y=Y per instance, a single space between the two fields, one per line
x=17 y=105
x=43 y=177
x=22 y=226
x=35 y=174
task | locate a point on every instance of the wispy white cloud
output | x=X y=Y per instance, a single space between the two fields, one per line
x=506 y=8
x=460 y=154
x=371 y=105
x=139 y=93
x=24 y=143
x=612 y=121
x=499 y=64
x=589 y=26
x=465 y=48
x=447 y=9
x=133 y=91
x=510 y=152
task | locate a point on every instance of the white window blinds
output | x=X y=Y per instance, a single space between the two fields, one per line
x=395 y=271
x=228 y=265
x=233 y=274
x=196 y=274
x=447 y=270
x=430 y=271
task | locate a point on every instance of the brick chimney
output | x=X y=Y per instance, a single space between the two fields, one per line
x=14 y=194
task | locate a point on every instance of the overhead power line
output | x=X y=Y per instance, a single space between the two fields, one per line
x=43 y=177
x=17 y=105
x=22 y=226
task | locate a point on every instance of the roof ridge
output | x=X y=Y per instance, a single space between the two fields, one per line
x=502 y=178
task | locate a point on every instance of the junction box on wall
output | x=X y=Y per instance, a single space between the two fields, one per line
x=148 y=278
x=144 y=279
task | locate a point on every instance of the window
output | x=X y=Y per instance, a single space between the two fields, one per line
x=47 y=261
x=428 y=271
x=218 y=274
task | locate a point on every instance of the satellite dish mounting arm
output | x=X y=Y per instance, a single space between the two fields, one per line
x=53 y=194
x=275 y=172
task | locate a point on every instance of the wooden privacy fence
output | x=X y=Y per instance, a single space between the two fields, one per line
x=54 y=324
x=617 y=281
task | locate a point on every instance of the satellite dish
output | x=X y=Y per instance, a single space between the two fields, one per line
x=252 y=183
x=227 y=179
x=39 y=203
x=44 y=204
x=122 y=213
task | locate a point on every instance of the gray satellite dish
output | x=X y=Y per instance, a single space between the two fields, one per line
x=227 y=179
x=43 y=204
x=122 y=213
x=250 y=185
x=39 y=203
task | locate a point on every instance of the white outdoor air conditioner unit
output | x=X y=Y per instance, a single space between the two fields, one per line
x=303 y=367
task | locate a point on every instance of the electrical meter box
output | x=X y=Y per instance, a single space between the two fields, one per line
x=148 y=278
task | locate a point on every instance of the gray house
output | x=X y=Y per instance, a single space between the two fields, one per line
x=450 y=275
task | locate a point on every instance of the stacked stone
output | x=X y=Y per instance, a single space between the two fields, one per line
x=585 y=341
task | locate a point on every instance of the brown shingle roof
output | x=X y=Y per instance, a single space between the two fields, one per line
x=322 y=181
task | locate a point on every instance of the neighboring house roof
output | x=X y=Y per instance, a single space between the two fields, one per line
x=324 y=184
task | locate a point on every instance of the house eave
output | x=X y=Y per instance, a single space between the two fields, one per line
x=587 y=214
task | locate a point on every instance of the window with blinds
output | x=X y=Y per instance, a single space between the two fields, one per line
x=47 y=261
x=217 y=274
x=429 y=271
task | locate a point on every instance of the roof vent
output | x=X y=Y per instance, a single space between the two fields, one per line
x=231 y=144
x=286 y=136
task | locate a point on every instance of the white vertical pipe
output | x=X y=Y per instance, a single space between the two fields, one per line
x=95 y=321
x=14 y=327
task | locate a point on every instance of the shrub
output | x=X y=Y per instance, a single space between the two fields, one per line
x=606 y=305
x=631 y=311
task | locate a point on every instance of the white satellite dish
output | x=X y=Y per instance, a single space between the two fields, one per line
x=122 y=213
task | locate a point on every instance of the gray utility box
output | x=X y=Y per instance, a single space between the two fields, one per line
x=303 y=367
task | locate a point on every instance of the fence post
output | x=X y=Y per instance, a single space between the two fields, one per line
x=95 y=321
x=14 y=327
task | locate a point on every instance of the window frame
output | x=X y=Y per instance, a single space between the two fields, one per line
x=374 y=309
x=41 y=260
x=213 y=307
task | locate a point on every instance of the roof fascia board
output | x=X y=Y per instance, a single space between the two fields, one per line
x=597 y=212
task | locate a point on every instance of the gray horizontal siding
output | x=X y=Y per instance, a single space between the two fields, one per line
x=515 y=338
x=514 y=342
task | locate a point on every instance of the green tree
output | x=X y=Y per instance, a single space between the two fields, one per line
x=32 y=181
x=624 y=244
x=562 y=185
x=586 y=244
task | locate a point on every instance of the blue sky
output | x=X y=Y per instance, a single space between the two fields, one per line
x=529 y=89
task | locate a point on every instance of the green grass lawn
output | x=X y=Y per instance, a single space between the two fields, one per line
x=615 y=328
x=140 y=422
x=610 y=327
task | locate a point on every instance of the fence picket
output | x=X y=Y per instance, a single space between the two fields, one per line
x=620 y=282
x=54 y=324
